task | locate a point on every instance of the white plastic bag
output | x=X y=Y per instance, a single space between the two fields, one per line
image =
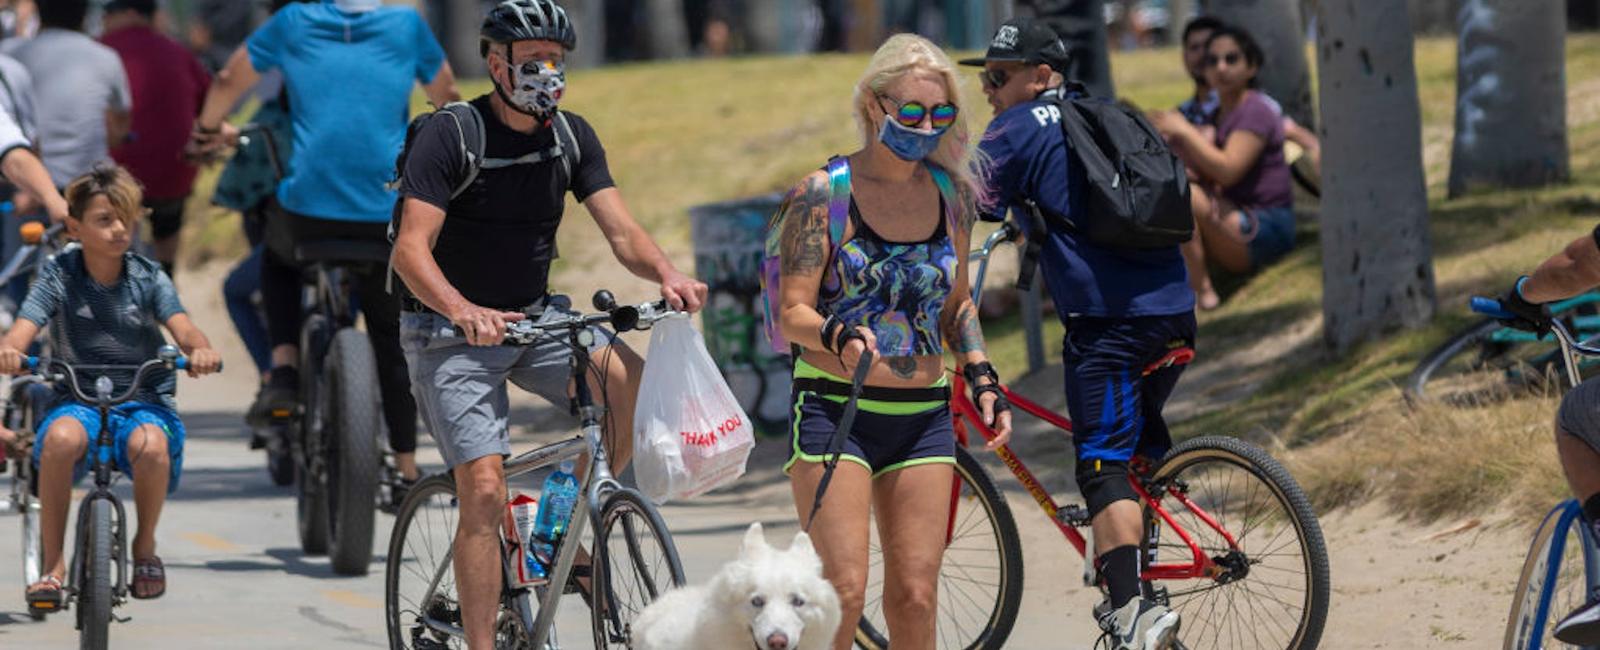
x=690 y=435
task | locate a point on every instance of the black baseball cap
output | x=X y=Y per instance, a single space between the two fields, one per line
x=1027 y=41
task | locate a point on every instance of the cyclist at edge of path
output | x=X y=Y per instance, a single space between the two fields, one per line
x=1123 y=310
x=1572 y=271
x=349 y=67
x=481 y=259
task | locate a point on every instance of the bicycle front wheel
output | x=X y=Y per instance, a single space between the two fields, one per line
x=980 y=576
x=94 y=597
x=1270 y=590
x=634 y=562
x=1555 y=579
x=420 y=600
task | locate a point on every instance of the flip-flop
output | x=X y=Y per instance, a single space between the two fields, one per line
x=148 y=572
x=47 y=599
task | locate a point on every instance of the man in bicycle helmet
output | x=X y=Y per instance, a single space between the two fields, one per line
x=349 y=67
x=476 y=255
x=1572 y=271
x=1124 y=311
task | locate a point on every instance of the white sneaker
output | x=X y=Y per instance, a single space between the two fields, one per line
x=1140 y=625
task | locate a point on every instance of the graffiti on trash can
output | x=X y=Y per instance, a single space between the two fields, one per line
x=729 y=240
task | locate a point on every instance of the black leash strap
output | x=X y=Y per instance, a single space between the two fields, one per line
x=846 y=421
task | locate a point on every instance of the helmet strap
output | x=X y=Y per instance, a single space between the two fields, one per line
x=544 y=120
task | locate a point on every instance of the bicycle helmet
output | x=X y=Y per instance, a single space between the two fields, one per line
x=527 y=20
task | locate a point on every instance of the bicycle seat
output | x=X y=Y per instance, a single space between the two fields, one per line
x=341 y=251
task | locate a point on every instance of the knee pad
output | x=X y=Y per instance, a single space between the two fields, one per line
x=1104 y=482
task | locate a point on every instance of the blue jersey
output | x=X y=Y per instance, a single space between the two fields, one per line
x=1028 y=158
x=349 y=77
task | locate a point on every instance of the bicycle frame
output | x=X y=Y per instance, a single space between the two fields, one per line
x=965 y=414
x=598 y=484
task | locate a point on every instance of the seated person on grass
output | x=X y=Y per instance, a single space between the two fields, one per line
x=104 y=304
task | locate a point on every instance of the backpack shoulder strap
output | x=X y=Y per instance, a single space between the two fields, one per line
x=567 y=141
x=952 y=198
x=838 y=199
x=469 y=125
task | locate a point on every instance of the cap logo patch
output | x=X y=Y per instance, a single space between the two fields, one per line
x=1006 y=38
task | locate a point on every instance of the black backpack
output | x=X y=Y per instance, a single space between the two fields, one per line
x=469 y=126
x=1137 y=195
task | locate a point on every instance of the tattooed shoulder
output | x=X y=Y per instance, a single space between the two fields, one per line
x=804 y=214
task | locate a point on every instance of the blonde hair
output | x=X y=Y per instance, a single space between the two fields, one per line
x=113 y=182
x=905 y=54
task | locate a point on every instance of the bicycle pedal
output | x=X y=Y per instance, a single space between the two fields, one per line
x=1073 y=515
x=121 y=619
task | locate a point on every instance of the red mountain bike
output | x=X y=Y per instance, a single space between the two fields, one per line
x=1231 y=541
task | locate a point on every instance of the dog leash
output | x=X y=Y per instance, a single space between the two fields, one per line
x=847 y=420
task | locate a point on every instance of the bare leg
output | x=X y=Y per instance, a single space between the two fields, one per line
x=623 y=369
x=840 y=534
x=1119 y=524
x=152 y=471
x=913 y=509
x=481 y=489
x=64 y=445
x=1194 y=250
x=1581 y=464
x=406 y=464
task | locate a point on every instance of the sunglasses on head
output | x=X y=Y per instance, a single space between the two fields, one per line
x=911 y=114
x=1231 y=58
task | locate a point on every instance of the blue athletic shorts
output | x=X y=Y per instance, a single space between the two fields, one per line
x=124 y=419
x=1115 y=408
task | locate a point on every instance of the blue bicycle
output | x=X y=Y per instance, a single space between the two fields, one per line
x=1563 y=563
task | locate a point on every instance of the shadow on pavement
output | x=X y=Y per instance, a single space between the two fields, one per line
x=285 y=560
x=219 y=483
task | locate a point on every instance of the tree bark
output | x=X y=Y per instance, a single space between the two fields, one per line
x=864 y=26
x=1377 y=257
x=1276 y=25
x=1511 y=95
x=668 y=33
x=1081 y=25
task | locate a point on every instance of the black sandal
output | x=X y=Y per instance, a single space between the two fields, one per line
x=147 y=573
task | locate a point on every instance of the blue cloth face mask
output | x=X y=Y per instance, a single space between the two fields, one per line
x=357 y=6
x=908 y=144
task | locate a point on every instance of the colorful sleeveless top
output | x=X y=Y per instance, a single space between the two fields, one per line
x=895 y=289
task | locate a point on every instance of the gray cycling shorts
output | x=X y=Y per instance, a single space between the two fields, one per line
x=461 y=388
x=1580 y=413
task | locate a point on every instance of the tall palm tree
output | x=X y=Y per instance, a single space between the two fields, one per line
x=1377 y=257
x=1511 y=95
x=1276 y=25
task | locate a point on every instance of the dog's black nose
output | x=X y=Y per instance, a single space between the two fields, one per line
x=778 y=641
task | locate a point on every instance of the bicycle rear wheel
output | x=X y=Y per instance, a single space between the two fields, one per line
x=94 y=597
x=419 y=558
x=1555 y=579
x=350 y=439
x=1272 y=588
x=980 y=577
x=633 y=563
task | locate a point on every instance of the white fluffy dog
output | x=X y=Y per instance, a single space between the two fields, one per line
x=765 y=599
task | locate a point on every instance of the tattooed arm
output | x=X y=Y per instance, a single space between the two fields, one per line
x=963 y=334
x=803 y=254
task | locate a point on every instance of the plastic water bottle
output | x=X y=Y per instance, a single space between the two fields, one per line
x=556 y=501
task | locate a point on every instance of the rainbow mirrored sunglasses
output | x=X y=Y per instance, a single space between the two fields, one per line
x=911 y=114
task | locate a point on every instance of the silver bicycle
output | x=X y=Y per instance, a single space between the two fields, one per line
x=632 y=556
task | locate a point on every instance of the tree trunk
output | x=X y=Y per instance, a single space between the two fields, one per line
x=1276 y=25
x=1377 y=259
x=864 y=26
x=669 y=35
x=1511 y=95
x=1081 y=24
x=590 y=20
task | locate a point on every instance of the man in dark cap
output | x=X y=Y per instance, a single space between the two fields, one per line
x=1125 y=311
x=168 y=85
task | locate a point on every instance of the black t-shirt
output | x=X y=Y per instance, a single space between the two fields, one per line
x=499 y=235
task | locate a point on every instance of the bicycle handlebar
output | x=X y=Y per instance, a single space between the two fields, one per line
x=1008 y=233
x=56 y=370
x=1569 y=344
x=624 y=318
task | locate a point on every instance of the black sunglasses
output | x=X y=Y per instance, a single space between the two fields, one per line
x=1231 y=58
x=995 y=78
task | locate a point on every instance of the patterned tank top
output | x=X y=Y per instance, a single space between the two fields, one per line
x=895 y=289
